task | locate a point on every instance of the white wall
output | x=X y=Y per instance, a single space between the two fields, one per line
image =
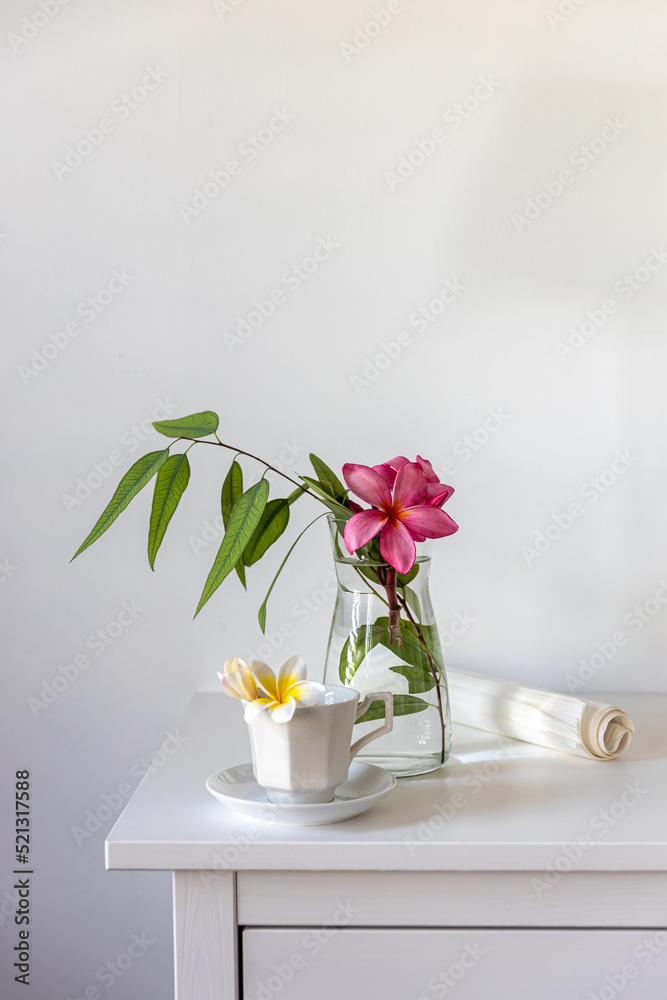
x=332 y=173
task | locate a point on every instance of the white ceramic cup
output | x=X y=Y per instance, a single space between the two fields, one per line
x=305 y=759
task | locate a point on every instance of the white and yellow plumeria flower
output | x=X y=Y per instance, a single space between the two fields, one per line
x=237 y=680
x=282 y=692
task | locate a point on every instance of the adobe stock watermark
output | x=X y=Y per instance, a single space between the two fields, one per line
x=311 y=944
x=98 y=642
x=581 y=159
x=454 y=117
x=129 y=442
x=224 y=7
x=7 y=569
x=212 y=531
x=113 y=802
x=646 y=952
x=591 y=491
x=32 y=24
x=419 y=320
x=562 y=12
x=636 y=619
x=121 y=108
x=472 y=783
x=470 y=444
x=301 y=611
x=292 y=279
x=113 y=970
x=88 y=310
x=601 y=824
x=447 y=979
x=377 y=22
x=247 y=151
x=625 y=288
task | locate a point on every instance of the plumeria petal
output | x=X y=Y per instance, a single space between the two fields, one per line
x=410 y=486
x=306 y=692
x=362 y=527
x=255 y=708
x=232 y=686
x=367 y=484
x=283 y=712
x=397 y=546
x=427 y=468
x=291 y=671
x=429 y=521
x=438 y=493
x=398 y=462
x=265 y=678
x=387 y=473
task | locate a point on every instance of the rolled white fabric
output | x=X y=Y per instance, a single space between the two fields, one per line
x=547 y=718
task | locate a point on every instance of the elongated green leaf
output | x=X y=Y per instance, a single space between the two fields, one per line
x=195 y=425
x=418 y=679
x=272 y=523
x=132 y=482
x=412 y=600
x=358 y=644
x=243 y=521
x=261 y=614
x=328 y=479
x=339 y=510
x=170 y=485
x=232 y=488
x=296 y=494
x=404 y=704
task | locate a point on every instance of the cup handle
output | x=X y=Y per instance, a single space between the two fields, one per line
x=388 y=700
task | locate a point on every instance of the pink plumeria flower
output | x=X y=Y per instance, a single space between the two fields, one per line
x=282 y=693
x=436 y=492
x=402 y=517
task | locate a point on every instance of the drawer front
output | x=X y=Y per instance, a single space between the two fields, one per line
x=330 y=963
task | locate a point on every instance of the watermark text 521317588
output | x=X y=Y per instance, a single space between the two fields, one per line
x=21 y=950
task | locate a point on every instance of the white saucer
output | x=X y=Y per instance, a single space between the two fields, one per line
x=366 y=785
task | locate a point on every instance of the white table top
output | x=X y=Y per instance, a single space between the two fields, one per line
x=516 y=808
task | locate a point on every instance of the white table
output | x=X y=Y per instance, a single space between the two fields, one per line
x=513 y=872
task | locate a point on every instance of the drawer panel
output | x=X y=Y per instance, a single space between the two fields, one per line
x=454 y=899
x=330 y=963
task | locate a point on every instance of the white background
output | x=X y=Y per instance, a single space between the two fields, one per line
x=538 y=599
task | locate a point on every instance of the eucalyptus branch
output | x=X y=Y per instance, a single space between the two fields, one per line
x=239 y=451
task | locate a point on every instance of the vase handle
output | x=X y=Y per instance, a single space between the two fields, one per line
x=388 y=725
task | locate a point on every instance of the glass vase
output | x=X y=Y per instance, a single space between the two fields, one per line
x=384 y=637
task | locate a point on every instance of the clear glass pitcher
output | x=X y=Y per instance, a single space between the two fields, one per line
x=384 y=638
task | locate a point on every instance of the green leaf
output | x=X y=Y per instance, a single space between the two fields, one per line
x=232 y=488
x=261 y=614
x=328 y=479
x=403 y=579
x=272 y=523
x=358 y=644
x=418 y=679
x=195 y=425
x=132 y=482
x=338 y=509
x=171 y=482
x=404 y=704
x=299 y=492
x=243 y=521
x=412 y=601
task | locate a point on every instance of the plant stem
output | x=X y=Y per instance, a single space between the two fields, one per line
x=387 y=577
x=240 y=451
x=434 y=666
